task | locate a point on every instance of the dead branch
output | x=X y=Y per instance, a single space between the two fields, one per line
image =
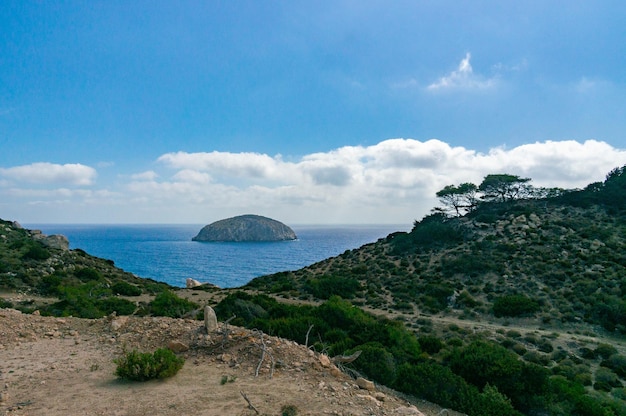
x=264 y=351
x=345 y=359
x=250 y=406
x=226 y=330
x=306 y=341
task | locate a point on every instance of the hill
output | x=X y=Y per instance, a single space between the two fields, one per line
x=541 y=280
x=511 y=303
x=246 y=228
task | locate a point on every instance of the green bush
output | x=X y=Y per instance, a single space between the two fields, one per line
x=138 y=366
x=288 y=410
x=86 y=274
x=125 y=289
x=617 y=363
x=606 y=380
x=49 y=285
x=376 y=363
x=430 y=344
x=36 y=252
x=514 y=305
x=327 y=286
x=605 y=350
x=168 y=304
x=117 y=305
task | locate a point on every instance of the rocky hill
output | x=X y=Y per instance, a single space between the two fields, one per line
x=246 y=228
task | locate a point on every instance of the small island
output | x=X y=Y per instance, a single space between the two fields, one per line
x=246 y=228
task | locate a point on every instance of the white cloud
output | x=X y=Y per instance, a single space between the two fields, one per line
x=393 y=181
x=463 y=78
x=240 y=165
x=50 y=173
x=149 y=175
x=587 y=85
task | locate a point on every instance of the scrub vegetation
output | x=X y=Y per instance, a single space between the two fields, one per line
x=506 y=299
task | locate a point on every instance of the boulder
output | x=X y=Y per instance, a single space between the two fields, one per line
x=365 y=384
x=177 y=346
x=246 y=228
x=191 y=283
x=57 y=241
x=210 y=319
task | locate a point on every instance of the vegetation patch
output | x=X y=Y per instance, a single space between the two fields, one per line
x=142 y=366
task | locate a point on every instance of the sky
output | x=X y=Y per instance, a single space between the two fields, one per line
x=324 y=112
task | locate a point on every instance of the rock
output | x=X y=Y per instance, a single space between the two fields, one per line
x=335 y=372
x=118 y=322
x=246 y=228
x=380 y=396
x=408 y=411
x=324 y=360
x=365 y=384
x=57 y=241
x=210 y=319
x=191 y=283
x=177 y=346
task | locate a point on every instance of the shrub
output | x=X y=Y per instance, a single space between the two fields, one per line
x=36 y=252
x=86 y=274
x=617 y=363
x=327 y=286
x=376 y=362
x=137 y=366
x=605 y=350
x=168 y=304
x=514 y=305
x=125 y=289
x=118 y=305
x=606 y=380
x=288 y=410
x=430 y=344
x=49 y=285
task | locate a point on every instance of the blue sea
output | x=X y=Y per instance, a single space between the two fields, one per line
x=166 y=253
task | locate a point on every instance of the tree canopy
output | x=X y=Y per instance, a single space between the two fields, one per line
x=504 y=187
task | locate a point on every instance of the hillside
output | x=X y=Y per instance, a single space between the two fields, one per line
x=544 y=278
x=516 y=306
x=565 y=255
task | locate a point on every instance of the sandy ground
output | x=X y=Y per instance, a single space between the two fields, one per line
x=64 y=366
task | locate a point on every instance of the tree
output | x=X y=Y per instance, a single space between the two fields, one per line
x=459 y=199
x=504 y=187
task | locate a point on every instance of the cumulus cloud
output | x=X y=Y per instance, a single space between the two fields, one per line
x=50 y=173
x=394 y=181
x=395 y=175
x=245 y=165
x=463 y=78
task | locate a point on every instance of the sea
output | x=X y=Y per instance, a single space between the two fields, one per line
x=166 y=253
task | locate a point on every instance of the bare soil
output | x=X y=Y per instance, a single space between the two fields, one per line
x=65 y=366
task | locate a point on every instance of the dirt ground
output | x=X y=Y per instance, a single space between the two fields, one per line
x=64 y=366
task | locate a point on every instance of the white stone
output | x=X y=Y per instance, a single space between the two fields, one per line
x=210 y=319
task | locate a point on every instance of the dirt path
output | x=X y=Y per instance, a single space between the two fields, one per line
x=64 y=366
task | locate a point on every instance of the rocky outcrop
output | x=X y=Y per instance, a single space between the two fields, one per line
x=57 y=241
x=246 y=228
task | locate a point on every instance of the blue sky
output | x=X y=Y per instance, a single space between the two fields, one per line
x=308 y=112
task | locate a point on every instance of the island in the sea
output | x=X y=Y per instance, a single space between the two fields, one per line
x=246 y=228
